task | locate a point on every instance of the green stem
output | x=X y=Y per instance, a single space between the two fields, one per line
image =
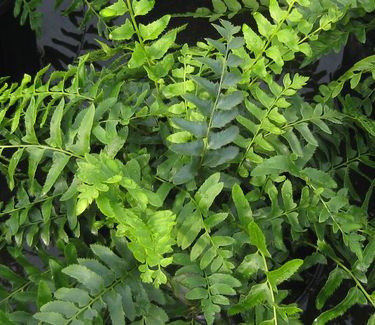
x=150 y=63
x=29 y=205
x=98 y=297
x=259 y=128
x=91 y=8
x=326 y=207
x=205 y=144
x=286 y=52
x=269 y=288
x=349 y=272
x=269 y=40
x=40 y=146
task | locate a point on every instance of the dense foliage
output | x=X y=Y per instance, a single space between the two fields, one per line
x=182 y=184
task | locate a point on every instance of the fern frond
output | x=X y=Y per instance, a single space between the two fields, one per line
x=353 y=297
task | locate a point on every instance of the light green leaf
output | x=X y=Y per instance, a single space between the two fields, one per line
x=243 y=208
x=275 y=165
x=265 y=28
x=16 y=157
x=283 y=273
x=123 y=32
x=142 y=7
x=274 y=53
x=275 y=116
x=209 y=190
x=138 y=57
x=257 y=295
x=222 y=289
x=59 y=161
x=224 y=278
x=215 y=219
x=55 y=139
x=153 y=30
x=257 y=238
x=30 y=119
x=319 y=177
x=294 y=142
x=276 y=13
x=263 y=143
x=160 y=47
x=189 y=230
x=178 y=89
x=219 y=6
x=82 y=144
x=117 y=9
x=209 y=310
x=371 y=320
x=287 y=195
x=250 y=265
x=253 y=41
x=207 y=258
x=220 y=241
x=233 y=5
x=199 y=247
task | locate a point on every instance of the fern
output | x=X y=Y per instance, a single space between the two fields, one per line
x=184 y=183
x=353 y=296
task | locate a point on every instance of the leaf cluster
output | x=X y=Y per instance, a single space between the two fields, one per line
x=181 y=183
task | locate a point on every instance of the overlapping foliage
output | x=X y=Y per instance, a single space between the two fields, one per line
x=187 y=184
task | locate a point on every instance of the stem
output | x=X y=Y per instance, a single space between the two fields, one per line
x=350 y=273
x=41 y=147
x=99 y=296
x=270 y=288
x=259 y=128
x=326 y=207
x=215 y=104
x=269 y=40
x=150 y=63
x=29 y=205
x=88 y=4
x=308 y=36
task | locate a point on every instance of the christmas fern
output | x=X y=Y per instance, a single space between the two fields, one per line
x=190 y=184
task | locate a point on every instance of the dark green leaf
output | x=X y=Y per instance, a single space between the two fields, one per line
x=199 y=129
x=221 y=156
x=88 y=278
x=193 y=148
x=219 y=139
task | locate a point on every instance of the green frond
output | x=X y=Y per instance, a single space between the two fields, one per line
x=180 y=184
x=334 y=280
x=353 y=297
